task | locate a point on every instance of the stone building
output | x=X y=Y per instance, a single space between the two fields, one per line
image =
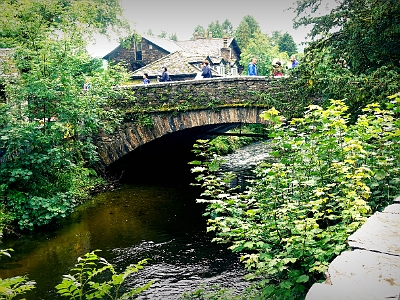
x=183 y=59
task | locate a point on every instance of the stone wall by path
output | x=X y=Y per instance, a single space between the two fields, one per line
x=371 y=270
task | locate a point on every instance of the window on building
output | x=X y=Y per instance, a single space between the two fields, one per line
x=139 y=51
x=221 y=70
x=234 y=71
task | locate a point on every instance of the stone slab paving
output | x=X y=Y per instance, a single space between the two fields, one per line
x=371 y=270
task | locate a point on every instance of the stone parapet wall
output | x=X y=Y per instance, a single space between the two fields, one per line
x=202 y=93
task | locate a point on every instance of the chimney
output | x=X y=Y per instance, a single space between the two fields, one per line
x=225 y=41
x=195 y=36
x=225 y=50
x=210 y=34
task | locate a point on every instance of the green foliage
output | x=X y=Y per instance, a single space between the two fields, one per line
x=243 y=34
x=162 y=35
x=216 y=29
x=297 y=214
x=321 y=78
x=222 y=145
x=211 y=293
x=365 y=33
x=91 y=278
x=14 y=286
x=95 y=278
x=227 y=28
x=284 y=41
x=261 y=48
x=246 y=30
x=199 y=31
x=287 y=44
x=145 y=120
x=48 y=128
x=173 y=37
x=26 y=22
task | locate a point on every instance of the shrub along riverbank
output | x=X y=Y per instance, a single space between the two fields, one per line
x=329 y=176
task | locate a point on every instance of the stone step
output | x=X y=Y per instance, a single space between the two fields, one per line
x=360 y=275
x=371 y=270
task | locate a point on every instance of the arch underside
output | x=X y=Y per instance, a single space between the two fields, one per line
x=179 y=129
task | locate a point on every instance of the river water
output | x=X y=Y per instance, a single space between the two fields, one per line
x=135 y=221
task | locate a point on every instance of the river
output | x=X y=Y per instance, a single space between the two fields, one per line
x=161 y=222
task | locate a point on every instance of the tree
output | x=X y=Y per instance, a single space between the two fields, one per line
x=227 y=28
x=216 y=29
x=48 y=123
x=287 y=44
x=248 y=26
x=243 y=34
x=276 y=37
x=199 y=31
x=364 y=32
x=261 y=48
x=173 y=37
x=162 y=35
x=284 y=41
x=150 y=32
x=253 y=24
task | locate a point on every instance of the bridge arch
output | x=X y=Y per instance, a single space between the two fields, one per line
x=189 y=125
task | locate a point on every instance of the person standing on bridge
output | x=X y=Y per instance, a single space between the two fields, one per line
x=206 y=73
x=146 y=79
x=294 y=61
x=252 y=68
x=165 y=76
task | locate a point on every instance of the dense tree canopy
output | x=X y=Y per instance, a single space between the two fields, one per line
x=365 y=33
x=48 y=121
x=227 y=28
x=287 y=44
x=248 y=26
x=261 y=48
x=215 y=28
x=27 y=21
x=199 y=31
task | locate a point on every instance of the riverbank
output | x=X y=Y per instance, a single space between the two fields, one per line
x=371 y=269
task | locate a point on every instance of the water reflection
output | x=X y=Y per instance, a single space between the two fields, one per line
x=134 y=222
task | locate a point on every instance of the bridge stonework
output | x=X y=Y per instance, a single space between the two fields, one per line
x=206 y=92
x=176 y=106
x=113 y=147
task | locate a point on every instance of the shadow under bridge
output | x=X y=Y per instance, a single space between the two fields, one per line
x=162 y=152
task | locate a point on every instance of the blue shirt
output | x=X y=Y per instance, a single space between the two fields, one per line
x=146 y=81
x=206 y=72
x=252 y=70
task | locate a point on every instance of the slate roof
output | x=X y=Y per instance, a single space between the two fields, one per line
x=166 y=44
x=177 y=63
x=204 y=46
x=187 y=59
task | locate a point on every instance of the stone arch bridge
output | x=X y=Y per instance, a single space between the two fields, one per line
x=184 y=111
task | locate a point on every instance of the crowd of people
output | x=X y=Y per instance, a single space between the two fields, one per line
x=277 y=70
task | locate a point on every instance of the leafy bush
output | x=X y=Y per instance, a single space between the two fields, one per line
x=328 y=177
x=87 y=281
x=92 y=278
x=14 y=286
